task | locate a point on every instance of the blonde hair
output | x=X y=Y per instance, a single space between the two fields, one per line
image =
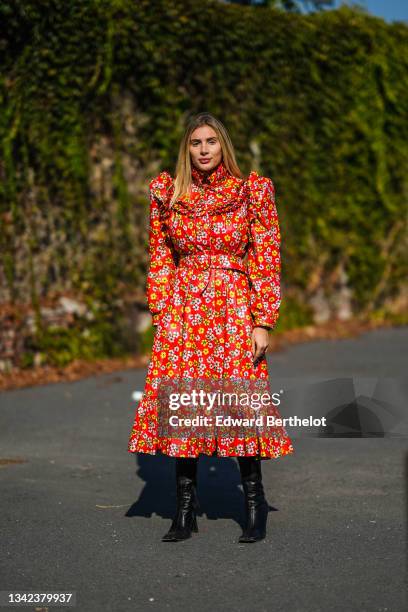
x=183 y=179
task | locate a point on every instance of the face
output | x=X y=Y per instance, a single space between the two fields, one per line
x=205 y=148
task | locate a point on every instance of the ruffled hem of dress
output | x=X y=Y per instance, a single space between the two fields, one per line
x=144 y=439
x=268 y=448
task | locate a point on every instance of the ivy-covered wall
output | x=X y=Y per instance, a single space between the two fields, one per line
x=94 y=96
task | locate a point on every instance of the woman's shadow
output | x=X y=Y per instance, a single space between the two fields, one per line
x=218 y=485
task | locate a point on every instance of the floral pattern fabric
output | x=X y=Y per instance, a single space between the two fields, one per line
x=214 y=274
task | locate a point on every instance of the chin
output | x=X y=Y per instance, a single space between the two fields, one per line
x=209 y=166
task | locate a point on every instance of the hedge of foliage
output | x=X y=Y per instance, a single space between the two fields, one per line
x=318 y=103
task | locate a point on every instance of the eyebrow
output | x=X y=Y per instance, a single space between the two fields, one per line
x=199 y=139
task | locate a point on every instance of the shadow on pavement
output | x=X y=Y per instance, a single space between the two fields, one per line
x=218 y=483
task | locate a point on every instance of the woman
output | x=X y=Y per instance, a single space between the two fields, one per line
x=213 y=290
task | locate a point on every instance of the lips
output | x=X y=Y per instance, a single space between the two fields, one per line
x=204 y=161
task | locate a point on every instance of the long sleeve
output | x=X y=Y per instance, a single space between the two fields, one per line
x=264 y=263
x=163 y=257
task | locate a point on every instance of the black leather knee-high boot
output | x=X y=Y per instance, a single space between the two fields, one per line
x=185 y=519
x=256 y=506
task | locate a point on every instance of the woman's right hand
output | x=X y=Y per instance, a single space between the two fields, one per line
x=259 y=343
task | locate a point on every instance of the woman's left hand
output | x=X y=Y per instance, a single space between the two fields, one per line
x=260 y=343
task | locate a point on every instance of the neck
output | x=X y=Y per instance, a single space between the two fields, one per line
x=212 y=176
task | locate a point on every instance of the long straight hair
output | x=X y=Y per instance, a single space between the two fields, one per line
x=183 y=179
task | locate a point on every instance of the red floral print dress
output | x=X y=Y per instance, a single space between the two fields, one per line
x=214 y=274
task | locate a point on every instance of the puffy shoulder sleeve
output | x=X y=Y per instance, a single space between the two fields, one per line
x=261 y=192
x=163 y=257
x=161 y=189
x=264 y=264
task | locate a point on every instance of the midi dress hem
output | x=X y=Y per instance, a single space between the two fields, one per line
x=232 y=447
x=212 y=450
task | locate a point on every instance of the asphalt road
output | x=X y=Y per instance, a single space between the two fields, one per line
x=80 y=514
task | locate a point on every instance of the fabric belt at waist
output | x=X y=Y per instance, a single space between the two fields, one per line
x=207 y=261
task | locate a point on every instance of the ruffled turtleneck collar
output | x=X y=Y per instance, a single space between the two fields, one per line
x=214 y=194
x=213 y=177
